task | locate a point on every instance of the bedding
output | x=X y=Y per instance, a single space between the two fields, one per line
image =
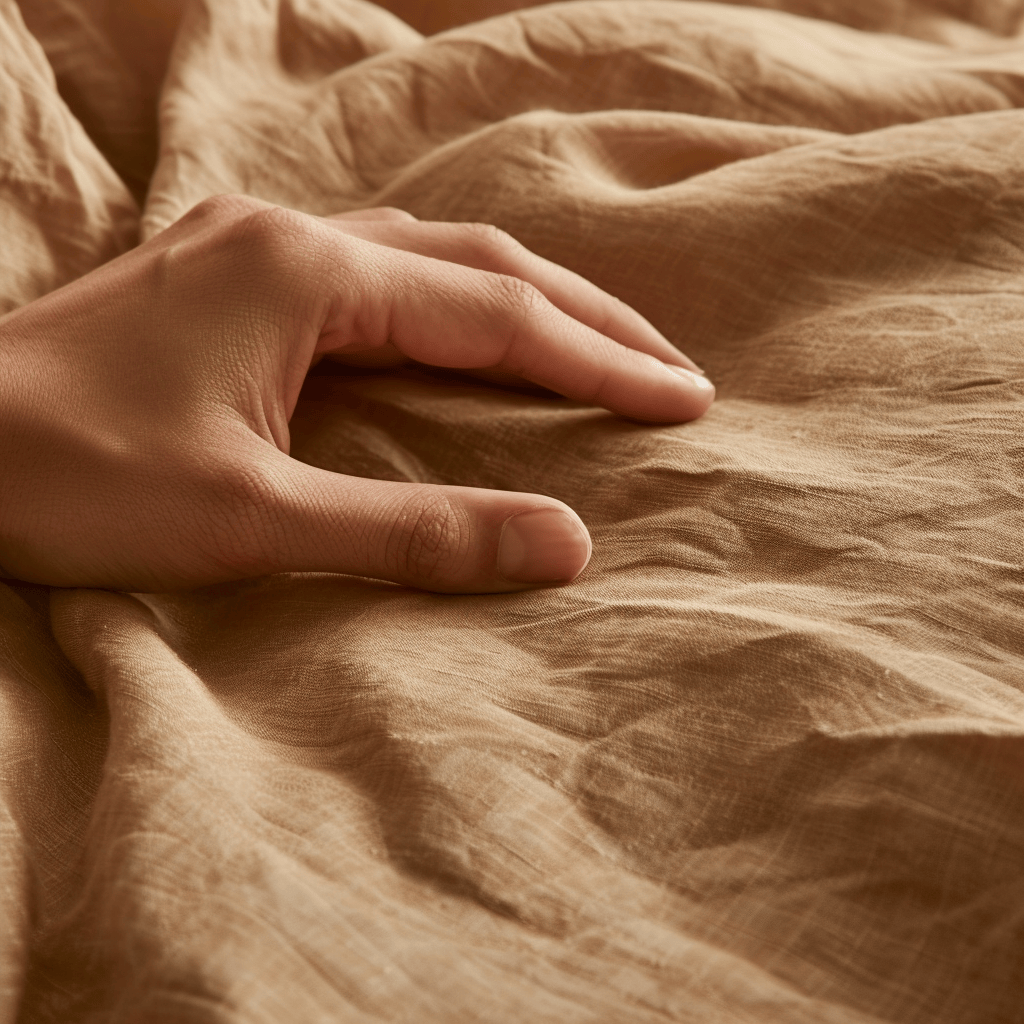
x=764 y=761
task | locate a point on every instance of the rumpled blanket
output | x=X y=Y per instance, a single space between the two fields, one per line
x=764 y=761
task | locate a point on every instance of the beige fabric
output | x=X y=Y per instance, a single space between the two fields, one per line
x=63 y=211
x=764 y=761
x=935 y=20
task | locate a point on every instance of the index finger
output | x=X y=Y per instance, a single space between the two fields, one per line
x=484 y=247
x=449 y=315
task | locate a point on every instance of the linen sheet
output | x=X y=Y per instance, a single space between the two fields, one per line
x=764 y=761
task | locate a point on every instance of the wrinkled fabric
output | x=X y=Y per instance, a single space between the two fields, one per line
x=764 y=761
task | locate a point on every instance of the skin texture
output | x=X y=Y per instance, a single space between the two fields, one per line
x=144 y=408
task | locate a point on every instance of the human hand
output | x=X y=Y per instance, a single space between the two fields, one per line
x=144 y=408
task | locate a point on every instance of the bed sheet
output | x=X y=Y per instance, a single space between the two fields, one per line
x=764 y=761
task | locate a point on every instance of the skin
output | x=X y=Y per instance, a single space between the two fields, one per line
x=144 y=408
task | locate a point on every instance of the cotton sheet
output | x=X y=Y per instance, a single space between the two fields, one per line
x=764 y=761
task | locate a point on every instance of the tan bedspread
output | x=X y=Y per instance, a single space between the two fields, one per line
x=764 y=762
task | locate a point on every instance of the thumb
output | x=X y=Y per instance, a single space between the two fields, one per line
x=446 y=539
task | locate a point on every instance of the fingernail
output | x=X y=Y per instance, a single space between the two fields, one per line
x=698 y=380
x=544 y=546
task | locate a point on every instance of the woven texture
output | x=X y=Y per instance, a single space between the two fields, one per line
x=764 y=761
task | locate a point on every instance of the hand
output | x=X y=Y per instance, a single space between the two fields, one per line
x=144 y=408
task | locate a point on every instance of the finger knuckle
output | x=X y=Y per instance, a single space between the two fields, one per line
x=433 y=539
x=522 y=299
x=222 y=209
x=243 y=225
x=274 y=231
